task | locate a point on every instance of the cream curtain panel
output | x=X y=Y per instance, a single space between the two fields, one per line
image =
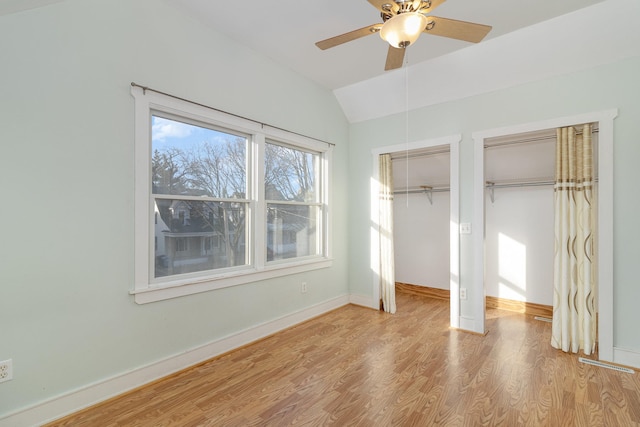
x=574 y=302
x=387 y=268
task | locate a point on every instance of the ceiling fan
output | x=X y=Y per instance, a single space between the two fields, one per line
x=402 y=23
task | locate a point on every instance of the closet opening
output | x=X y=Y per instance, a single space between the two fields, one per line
x=493 y=187
x=421 y=214
x=519 y=220
x=425 y=176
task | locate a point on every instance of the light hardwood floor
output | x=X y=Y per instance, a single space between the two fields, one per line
x=357 y=366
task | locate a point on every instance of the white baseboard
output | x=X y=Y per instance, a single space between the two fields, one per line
x=626 y=357
x=470 y=325
x=89 y=395
x=364 y=301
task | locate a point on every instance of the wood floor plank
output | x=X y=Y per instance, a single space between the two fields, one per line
x=359 y=367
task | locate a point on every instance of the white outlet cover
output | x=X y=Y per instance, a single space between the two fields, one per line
x=6 y=370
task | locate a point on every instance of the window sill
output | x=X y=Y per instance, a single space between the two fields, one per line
x=160 y=292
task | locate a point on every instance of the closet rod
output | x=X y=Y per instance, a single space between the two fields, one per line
x=491 y=184
x=400 y=155
x=427 y=190
x=488 y=185
x=418 y=191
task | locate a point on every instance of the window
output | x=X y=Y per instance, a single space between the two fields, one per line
x=222 y=201
x=293 y=209
x=199 y=187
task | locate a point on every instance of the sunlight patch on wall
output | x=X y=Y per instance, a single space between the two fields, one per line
x=512 y=268
x=374 y=255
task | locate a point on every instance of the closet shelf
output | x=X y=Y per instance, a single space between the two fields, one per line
x=427 y=190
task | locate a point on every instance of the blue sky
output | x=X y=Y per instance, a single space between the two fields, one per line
x=166 y=134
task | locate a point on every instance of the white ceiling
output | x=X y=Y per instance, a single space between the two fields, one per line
x=286 y=31
x=603 y=33
x=530 y=40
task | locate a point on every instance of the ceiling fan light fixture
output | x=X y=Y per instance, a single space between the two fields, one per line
x=403 y=29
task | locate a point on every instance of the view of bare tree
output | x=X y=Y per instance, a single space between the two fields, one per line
x=288 y=173
x=211 y=169
x=168 y=175
x=217 y=169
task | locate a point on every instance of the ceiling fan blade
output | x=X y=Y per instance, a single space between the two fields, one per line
x=395 y=57
x=347 y=37
x=385 y=6
x=461 y=30
x=430 y=5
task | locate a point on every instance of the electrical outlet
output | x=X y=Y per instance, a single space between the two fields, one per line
x=303 y=287
x=6 y=370
x=465 y=228
x=463 y=293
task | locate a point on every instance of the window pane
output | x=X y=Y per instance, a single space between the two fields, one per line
x=194 y=160
x=289 y=174
x=196 y=235
x=291 y=231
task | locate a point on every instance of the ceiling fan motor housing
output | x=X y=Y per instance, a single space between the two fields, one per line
x=401 y=6
x=402 y=23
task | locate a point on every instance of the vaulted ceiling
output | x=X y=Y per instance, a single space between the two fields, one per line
x=529 y=40
x=286 y=31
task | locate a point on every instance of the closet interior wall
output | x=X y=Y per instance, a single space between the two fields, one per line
x=421 y=217
x=519 y=217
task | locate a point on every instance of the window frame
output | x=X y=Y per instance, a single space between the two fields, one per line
x=315 y=203
x=146 y=289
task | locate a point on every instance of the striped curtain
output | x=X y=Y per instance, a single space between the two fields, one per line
x=574 y=302
x=387 y=268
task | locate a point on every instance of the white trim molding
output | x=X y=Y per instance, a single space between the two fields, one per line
x=149 y=288
x=605 y=216
x=626 y=357
x=364 y=301
x=453 y=143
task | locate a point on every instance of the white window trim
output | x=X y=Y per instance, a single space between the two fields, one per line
x=145 y=289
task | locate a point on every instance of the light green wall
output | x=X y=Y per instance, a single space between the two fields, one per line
x=67 y=168
x=602 y=88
